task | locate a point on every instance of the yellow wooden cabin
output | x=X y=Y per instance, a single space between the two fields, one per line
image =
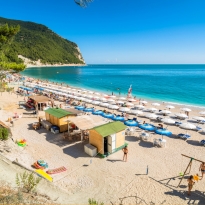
x=59 y=117
x=108 y=138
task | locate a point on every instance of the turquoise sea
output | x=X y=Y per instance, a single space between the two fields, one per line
x=184 y=84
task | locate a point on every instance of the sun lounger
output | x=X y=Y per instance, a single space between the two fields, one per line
x=178 y=123
x=159 y=119
x=184 y=136
x=198 y=128
x=202 y=142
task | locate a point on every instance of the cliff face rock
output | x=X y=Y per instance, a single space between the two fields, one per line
x=37 y=42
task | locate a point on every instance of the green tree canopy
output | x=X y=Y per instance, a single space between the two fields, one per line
x=7 y=34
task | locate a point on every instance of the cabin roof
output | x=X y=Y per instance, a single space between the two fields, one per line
x=58 y=112
x=110 y=128
x=39 y=98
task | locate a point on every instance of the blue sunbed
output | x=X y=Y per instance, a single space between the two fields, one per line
x=202 y=142
x=184 y=136
x=178 y=123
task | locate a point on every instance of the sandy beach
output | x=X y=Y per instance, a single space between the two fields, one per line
x=110 y=180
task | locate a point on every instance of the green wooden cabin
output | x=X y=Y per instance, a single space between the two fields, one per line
x=108 y=138
x=59 y=117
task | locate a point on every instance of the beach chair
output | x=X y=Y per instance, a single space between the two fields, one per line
x=159 y=119
x=202 y=121
x=129 y=131
x=202 y=142
x=178 y=123
x=184 y=136
x=156 y=142
x=198 y=128
x=145 y=136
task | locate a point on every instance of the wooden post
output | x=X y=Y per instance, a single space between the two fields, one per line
x=190 y=167
x=185 y=171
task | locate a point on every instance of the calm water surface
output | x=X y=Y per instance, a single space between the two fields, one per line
x=173 y=83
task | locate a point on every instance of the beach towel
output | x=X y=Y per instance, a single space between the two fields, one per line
x=57 y=170
x=44 y=175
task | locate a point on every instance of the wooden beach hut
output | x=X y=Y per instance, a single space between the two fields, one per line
x=39 y=100
x=58 y=117
x=108 y=138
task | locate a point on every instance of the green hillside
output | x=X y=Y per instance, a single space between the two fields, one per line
x=36 y=41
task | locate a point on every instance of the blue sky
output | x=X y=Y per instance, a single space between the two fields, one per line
x=122 y=31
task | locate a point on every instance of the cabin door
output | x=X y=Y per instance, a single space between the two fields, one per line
x=111 y=143
x=105 y=145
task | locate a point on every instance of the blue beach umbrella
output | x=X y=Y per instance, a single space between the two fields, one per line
x=79 y=107
x=28 y=89
x=39 y=88
x=131 y=123
x=147 y=126
x=163 y=132
x=97 y=112
x=119 y=118
x=107 y=115
x=88 y=110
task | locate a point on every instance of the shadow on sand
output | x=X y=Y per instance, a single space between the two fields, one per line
x=194 y=142
x=114 y=160
x=196 y=197
x=76 y=150
x=146 y=144
x=131 y=138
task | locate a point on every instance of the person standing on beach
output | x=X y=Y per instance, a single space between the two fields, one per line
x=190 y=184
x=125 y=150
x=202 y=169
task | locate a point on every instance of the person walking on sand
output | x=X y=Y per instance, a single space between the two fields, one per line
x=125 y=150
x=202 y=169
x=190 y=184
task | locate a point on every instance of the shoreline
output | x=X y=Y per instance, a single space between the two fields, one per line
x=150 y=100
x=55 y=65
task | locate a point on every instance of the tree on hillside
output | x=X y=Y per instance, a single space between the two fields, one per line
x=82 y=3
x=7 y=34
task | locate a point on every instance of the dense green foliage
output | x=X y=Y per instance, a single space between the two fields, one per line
x=7 y=34
x=17 y=67
x=36 y=41
x=4 y=133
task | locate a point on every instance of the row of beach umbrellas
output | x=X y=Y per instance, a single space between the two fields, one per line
x=130 y=123
x=107 y=102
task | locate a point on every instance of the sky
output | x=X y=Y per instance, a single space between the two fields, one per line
x=122 y=31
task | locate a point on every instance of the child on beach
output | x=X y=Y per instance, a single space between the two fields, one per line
x=190 y=184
